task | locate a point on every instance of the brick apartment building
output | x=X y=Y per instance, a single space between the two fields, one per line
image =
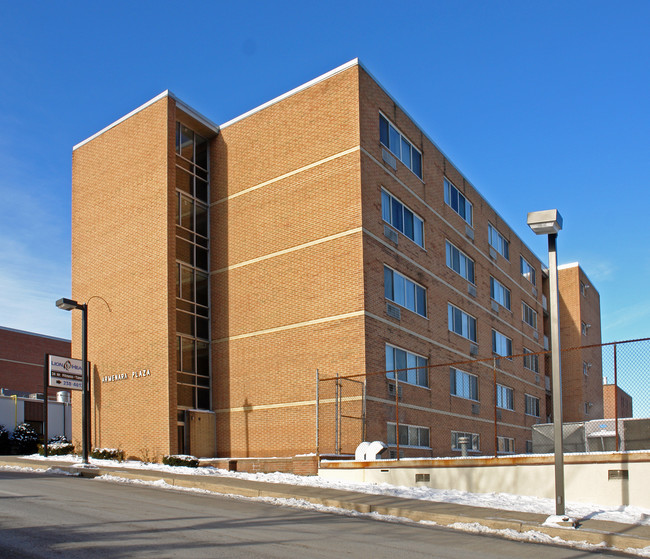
x=320 y=231
x=22 y=359
x=582 y=370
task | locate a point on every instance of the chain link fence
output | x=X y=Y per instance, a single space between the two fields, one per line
x=501 y=405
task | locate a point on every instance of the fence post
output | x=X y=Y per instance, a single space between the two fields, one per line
x=496 y=438
x=317 y=418
x=397 y=412
x=615 y=400
x=336 y=415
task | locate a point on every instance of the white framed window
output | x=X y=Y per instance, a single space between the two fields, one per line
x=529 y=316
x=531 y=362
x=399 y=146
x=402 y=218
x=532 y=405
x=459 y=262
x=498 y=242
x=474 y=441
x=584 y=328
x=506 y=445
x=406 y=293
x=409 y=435
x=501 y=345
x=463 y=385
x=505 y=397
x=500 y=293
x=461 y=323
x=411 y=368
x=457 y=202
x=527 y=270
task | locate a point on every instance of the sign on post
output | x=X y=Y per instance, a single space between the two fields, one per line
x=65 y=373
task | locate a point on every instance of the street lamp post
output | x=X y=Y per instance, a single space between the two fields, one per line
x=549 y=222
x=69 y=305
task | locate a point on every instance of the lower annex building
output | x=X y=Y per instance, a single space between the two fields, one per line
x=320 y=231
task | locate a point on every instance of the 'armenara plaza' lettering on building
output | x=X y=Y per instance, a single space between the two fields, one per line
x=125 y=376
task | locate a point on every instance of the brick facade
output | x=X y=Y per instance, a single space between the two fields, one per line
x=22 y=359
x=298 y=248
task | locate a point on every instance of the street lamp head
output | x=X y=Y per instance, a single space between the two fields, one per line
x=68 y=304
x=545 y=222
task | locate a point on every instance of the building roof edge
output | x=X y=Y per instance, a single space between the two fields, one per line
x=34 y=334
x=337 y=70
x=184 y=107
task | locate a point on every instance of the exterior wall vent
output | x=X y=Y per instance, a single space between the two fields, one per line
x=471 y=289
x=389 y=158
x=391 y=234
x=393 y=311
x=536 y=335
x=469 y=232
x=493 y=253
x=391 y=390
x=535 y=292
x=473 y=349
x=476 y=409
x=422 y=478
x=536 y=378
x=498 y=415
x=495 y=307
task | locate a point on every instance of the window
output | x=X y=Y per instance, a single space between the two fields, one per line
x=498 y=242
x=505 y=397
x=506 y=445
x=529 y=316
x=473 y=445
x=410 y=368
x=527 y=270
x=532 y=405
x=501 y=345
x=585 y=327
x=459 y=262
x=401 y=218
x=463 y=384
x=397 y=143
x=585 y=368
x=583 y=289
x=409 y=435
x=461 y=323
x=404 y=292
x=500 y=293
x=457 y=202
x=531 y=362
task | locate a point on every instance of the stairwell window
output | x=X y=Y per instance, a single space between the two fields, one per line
x=402 y=218
x=457 y=202
x=399 y=146
x=404 y=292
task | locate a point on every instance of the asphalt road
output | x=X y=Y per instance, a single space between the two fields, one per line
x=43 y=515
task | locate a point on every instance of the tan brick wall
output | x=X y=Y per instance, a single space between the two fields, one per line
x=121 y=252
x=576 y=308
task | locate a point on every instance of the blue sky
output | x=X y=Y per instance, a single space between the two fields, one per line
x=540 y=105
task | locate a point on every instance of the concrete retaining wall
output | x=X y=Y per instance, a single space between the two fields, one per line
x=612 y=479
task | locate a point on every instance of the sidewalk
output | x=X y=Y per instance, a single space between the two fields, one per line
x=613 y=534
